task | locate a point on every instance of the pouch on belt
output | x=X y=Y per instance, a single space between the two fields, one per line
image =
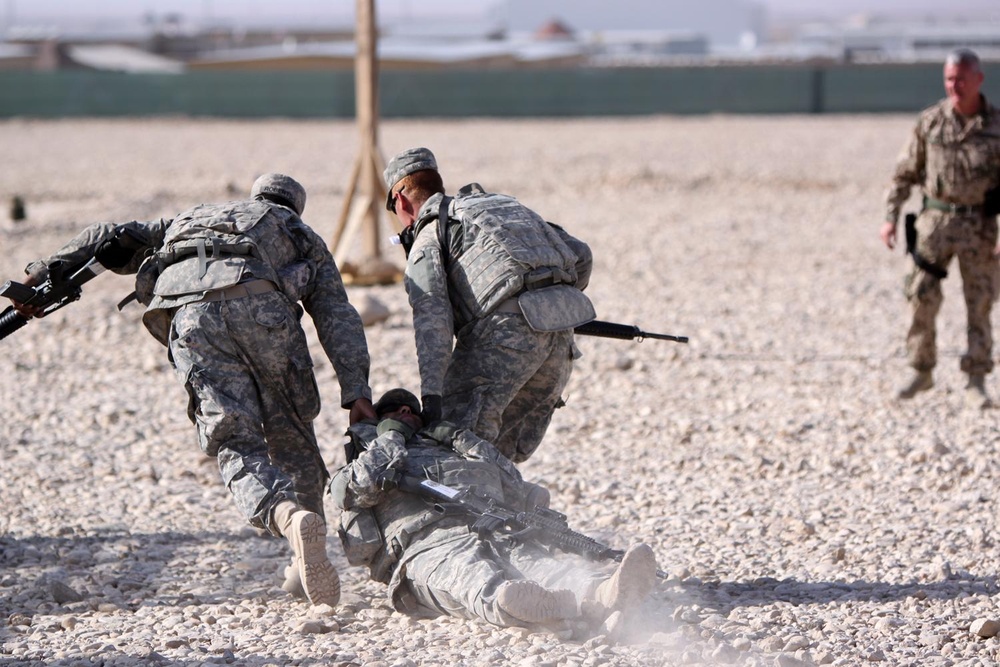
x=556 y=308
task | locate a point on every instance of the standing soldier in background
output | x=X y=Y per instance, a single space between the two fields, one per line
x=953 y=156
x=507 y=285
x=222 y=285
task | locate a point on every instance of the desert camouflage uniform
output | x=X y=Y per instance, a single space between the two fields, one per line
x=503 y=380
x=433 y=562
x=244 y=361
x=954 y=160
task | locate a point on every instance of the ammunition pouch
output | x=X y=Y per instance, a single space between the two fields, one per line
x=360 y=536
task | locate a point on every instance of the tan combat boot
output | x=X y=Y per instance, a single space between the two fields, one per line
x=922 y=381
x=533 y=603
x=975 y=392
x=631 y=582
x=291 y=582
x=306 y=533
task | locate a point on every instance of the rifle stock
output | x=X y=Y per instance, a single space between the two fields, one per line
x=604 y=329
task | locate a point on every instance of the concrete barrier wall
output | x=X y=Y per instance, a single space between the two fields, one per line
x=462 y=93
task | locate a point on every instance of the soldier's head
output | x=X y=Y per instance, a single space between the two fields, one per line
x=963 y=77
x=401 y=405
x=280 y=189
x=410 y=179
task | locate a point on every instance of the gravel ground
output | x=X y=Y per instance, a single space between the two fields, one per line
x=804 y=517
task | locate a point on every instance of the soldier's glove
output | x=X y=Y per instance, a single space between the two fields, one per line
x=119 y=250
x=431 y=412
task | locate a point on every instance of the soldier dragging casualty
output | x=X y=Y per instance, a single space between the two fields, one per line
x=222 y=285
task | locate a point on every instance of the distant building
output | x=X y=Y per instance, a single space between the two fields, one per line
x=719 y=23
x=880 y=42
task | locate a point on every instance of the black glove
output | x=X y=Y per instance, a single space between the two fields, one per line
x=431 y=409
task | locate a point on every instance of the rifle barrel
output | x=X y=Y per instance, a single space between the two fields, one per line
x=11 y=321
x=604 y=329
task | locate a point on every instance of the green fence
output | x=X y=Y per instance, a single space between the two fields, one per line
x=460 y=93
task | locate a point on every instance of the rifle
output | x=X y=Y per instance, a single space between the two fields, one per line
x=622 y=331
x=910 y=227
x=61 y=288
x=541 y=524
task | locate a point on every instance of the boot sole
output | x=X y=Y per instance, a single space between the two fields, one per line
x=319 y=578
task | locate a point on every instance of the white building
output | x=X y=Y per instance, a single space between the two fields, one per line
x=910 y=42
x=722 y=23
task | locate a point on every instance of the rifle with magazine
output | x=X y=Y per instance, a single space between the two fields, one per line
x=63 y=285
x=622 y=331
x=543 y=525
x=61 y=288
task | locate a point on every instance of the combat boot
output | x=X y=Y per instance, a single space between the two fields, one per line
x=306 y=533
x=291 y=582
x=975 y=392
x=533 y=603
x=631 y=582
x=922 y=381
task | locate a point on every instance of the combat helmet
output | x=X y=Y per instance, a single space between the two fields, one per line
x=394 y=398
x=281 y=189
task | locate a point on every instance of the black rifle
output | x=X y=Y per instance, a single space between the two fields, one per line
x=622 y=331
x=61 y=288
x=910 y=225
x=991 y=203
x=543 y=525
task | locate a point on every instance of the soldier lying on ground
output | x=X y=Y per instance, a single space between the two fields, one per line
x=222 y=284
x=434 y=562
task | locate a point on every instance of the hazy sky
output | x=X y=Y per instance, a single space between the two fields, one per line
x=20 y=10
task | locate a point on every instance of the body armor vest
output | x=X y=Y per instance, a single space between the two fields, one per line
x=503 y=244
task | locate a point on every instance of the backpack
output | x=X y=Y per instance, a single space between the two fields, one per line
x=509 y=250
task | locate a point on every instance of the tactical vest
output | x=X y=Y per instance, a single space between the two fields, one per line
x=506 y=248
x=210 y=247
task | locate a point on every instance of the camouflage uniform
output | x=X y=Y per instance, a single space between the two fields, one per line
x=433 y=562
x=241 y=352
x=955 y=161
x=504 y=379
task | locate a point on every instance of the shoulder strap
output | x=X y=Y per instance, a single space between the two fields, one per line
x=443 y=240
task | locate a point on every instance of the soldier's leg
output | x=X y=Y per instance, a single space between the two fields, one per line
x=979 y=269
x=266 y=328
x=464 y=578
x=529 y=413
x=923 y=291
x=490 y=364
x=225 y=406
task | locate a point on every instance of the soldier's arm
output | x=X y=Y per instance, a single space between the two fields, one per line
x=359 y=484
x=83 y=246
x=338 y=324
x=433 y=324
x=909 y=172
x=472 y=447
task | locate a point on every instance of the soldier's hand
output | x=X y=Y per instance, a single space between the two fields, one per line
x=23 y=309
x=431 y=412
x=361 y=409
x=888 y=234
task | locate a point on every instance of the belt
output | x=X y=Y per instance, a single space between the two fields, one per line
x=249 y=288
x=948 y=207
x=509 y=306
